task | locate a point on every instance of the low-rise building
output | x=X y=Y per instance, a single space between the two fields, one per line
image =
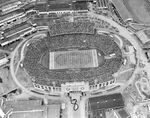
x=3 y=59
x=113 y=101
x=122 y=10
x=31 y=108
x=102 y=4
x=142 y=37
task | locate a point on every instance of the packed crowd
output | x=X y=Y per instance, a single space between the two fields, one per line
x=98 y=23
x=71 y=27
x=44 y=76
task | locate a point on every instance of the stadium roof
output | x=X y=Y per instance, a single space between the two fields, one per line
x=79 y=5
x=71 y=5
x=76 y=4
x=62 y=6
x=113 y=101
x=65 y=1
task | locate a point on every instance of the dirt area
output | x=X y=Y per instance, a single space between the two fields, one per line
x=124 y=77
x=140 y=9
x=7 y=84
x=23 y=78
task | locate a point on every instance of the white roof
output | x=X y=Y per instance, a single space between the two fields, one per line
x=3 y=61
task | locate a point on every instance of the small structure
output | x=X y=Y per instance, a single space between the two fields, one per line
x=122 y=113
x=3 y=59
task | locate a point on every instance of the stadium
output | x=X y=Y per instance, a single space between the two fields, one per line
x=72 y=52
x=74 y=58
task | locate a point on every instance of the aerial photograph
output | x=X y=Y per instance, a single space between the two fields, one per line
x=74 y=58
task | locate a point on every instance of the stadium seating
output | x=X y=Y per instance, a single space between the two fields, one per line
x=79 y=36
x=99 y=23
x=70 y=28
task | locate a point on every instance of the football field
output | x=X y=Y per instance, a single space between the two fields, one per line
x=73 y=59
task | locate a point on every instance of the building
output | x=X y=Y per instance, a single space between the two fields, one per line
x=122 y=113
x=30 y=108
x=102 y=4
x=80 y=5
x=122 y=10
x=143 y=37
x=3 y=59
x=98 y=105
x=146 y=46
x=98 y=114
x=7 y=2
x=113 y=101
x=11 y=7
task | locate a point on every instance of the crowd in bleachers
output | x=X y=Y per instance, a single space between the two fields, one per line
x=72 y=27
x=58 y=23
x=103 y=43
x=98 y=23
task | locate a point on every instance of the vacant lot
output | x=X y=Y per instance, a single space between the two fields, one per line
x=7 y=84
x=23 y=78
x=140 y=9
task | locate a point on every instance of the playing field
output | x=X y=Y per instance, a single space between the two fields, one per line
x=73 y=59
